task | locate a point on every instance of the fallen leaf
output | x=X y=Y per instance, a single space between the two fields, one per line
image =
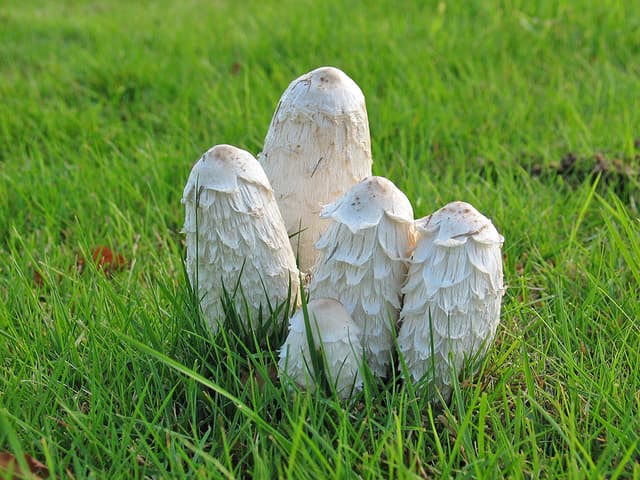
x=106 y=260
x=9 y=465
x=37 y=279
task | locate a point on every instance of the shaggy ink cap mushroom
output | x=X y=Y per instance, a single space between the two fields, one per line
x=235 y=235
x=317 y=147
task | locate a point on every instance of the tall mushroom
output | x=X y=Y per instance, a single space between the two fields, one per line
x=336 y=334
x=316 y=148
x=363 y=262
x=452 y=296
x=235 y=236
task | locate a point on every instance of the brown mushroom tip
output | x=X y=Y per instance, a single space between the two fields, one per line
x=328 y=77
x=224 y=152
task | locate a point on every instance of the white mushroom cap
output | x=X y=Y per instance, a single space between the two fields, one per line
x=220 y=168
x=235 y=233
x=327 y=90
x=317 y=147
x=334 y=330
x=366 y=202
x=452 y=296
x=458 y=221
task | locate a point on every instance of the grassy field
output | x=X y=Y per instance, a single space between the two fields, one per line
x=528 y=110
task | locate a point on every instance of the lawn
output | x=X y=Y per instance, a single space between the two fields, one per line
x=528 y=110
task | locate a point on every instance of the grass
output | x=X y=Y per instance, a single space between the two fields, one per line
x=105 y=106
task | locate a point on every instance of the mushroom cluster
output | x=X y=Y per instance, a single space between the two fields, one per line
x=379 y=282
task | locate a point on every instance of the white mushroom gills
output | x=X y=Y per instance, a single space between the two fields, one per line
x=363 y=262
x=234 y=232
x=316 y=148
x=340 y=338
x=452 y=297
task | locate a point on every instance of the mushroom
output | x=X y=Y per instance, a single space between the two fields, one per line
x=363 y=262
x=452 y=295
x=335 y=335
x=316 y=148
x=235 y=236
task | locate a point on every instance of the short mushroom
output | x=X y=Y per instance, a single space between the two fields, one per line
x=334 y=331
x=452 y=296
x=363 y=262
x=235 y=236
